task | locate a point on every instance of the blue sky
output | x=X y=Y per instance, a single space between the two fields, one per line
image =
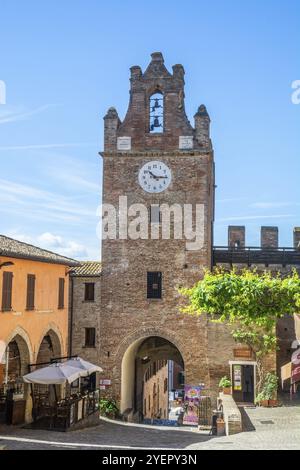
x=65 y=62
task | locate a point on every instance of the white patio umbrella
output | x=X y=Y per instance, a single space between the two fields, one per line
x=85 y=367
x=54 y=374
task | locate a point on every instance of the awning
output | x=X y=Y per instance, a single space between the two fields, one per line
x=54 y=374
x=2 y=352
x=85 y=366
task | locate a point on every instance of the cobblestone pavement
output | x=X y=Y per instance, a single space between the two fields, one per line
x=107 y=435
x=274 y=428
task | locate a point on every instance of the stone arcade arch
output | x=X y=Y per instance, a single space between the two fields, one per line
x=18 y=356
x=135 y=360
x=50 y=347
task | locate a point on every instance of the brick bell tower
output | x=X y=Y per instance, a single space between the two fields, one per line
x=154 y=157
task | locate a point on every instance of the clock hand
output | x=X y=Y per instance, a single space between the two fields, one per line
x=156 y=176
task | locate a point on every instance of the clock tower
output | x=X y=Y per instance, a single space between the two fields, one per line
x=155 y=165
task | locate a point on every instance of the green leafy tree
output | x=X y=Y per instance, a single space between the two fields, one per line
x=252 y=302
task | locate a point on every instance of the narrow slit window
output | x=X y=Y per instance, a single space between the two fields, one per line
x=154 y=285
x=156 y=113
x=90 y=337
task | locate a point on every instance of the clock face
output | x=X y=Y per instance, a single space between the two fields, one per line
x=155 y=177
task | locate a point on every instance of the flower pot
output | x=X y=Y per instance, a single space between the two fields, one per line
x=273 y=403
x=264 y=403
x=227 y=390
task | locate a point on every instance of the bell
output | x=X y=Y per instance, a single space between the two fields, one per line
x=156 y=104
x=156 y=122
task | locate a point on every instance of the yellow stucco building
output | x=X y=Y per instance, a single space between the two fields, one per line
x=34 y=314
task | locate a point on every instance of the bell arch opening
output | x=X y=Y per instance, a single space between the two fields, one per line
x=152 y=380
x=156 y=112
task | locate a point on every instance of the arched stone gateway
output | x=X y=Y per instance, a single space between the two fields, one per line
x=148 y=352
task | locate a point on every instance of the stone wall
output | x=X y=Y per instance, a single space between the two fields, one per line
x=86 y=314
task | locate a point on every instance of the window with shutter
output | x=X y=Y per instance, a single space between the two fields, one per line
x=7 y=291
x=154 y=285
x=61 y=293
x=90 y=337
x=89 y=292
x=30 y=292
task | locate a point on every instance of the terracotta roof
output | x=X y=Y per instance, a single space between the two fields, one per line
x=16 y=249
x=87 y=268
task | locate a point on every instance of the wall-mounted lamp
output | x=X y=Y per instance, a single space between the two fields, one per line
x=6 y=263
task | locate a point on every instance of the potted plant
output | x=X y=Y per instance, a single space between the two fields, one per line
x=267 y=395
x=262 y=399
x=109 y=408
x=225 y=385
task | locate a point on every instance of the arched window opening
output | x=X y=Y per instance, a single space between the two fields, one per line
x=156 y=113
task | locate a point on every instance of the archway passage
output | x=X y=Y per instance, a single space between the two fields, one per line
x=14 y=399
x=17 y=359
x=152 y=380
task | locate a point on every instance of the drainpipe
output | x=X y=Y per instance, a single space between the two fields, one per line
x=6 y=365
x=71 y=318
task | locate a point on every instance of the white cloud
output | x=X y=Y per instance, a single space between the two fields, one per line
x=272 y=205
x=64 y=247
x=13 y=116
x=52 y=242
x=46 y=146
x=41 y=203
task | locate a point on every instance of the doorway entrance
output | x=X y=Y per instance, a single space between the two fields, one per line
x=243 y=382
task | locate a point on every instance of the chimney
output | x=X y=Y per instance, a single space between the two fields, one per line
x=297 y=238
x=236 y=236
x=269 y=237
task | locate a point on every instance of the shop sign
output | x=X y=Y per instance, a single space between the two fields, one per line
x=105 y=382
x=242 y=353
x=237 y=378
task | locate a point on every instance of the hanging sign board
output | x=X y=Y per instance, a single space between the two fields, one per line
x=105 y=382
x=242 y=353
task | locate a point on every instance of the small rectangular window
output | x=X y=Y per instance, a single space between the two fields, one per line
x=90 y=337
x=154 y=285
x=155 y=214
x=7 y=291
x=30 y=292
x=61 y=293
x=89 y=292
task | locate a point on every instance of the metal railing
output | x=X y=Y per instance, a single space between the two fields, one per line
x=250 y=255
